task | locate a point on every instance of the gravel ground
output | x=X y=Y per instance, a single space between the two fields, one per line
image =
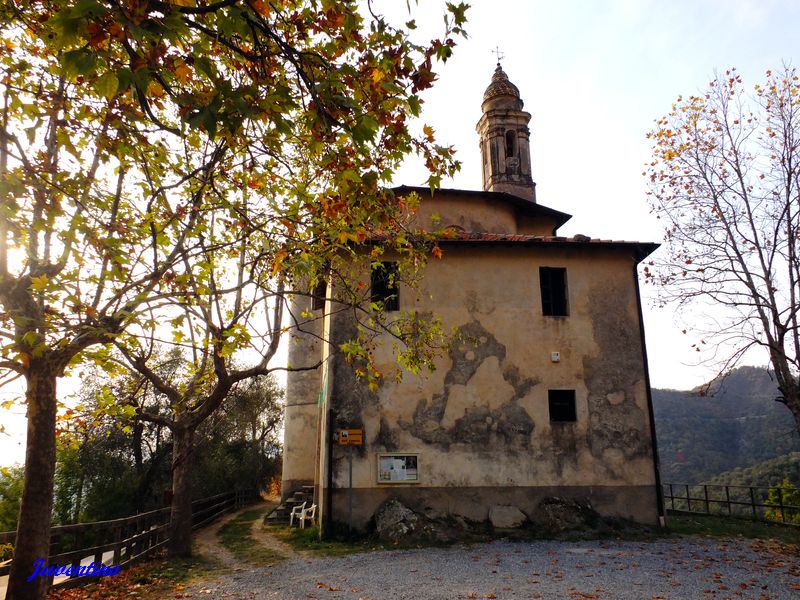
x=666 y=569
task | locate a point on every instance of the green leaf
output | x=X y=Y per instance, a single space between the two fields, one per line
x=107 y=85
x=91 y=8
x=78 y=62
x=366 y=129
x=414 y=105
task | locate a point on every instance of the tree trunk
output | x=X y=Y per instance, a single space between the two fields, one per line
x=793 y=404
x=36 y=507
x=181 y=513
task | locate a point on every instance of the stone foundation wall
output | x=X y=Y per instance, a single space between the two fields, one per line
x=635 y=503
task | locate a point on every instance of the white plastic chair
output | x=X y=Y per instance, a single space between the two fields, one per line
x=297 y=511
x=308 y=514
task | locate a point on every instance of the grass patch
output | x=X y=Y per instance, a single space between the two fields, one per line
x=307 y=541
x=236 y=536
x=726 y=527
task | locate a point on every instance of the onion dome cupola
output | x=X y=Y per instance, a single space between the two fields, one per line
x=505 y=139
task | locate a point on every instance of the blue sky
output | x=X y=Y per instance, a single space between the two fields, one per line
x=595 y=75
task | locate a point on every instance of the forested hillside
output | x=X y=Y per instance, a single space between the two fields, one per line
x=769 y=473
x=736 y=425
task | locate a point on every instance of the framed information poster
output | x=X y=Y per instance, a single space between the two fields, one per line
x=396 y=467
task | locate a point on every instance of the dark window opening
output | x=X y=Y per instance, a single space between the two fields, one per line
x=562 y=406
x=384 y=285
x=510 y=139
x=553 y=283
x=318 y=295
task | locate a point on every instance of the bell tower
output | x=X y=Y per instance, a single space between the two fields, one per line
x=505 y=139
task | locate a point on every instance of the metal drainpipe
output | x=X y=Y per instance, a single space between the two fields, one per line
x=327 y=525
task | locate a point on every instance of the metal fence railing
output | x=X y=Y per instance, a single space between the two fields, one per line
x=740 y=501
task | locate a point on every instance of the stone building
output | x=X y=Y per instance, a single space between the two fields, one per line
x=547 y=393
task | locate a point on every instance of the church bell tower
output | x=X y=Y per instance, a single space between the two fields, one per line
x=505 y=139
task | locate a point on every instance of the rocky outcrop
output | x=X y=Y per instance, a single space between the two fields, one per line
x=555 y=515
x=394 y=521
x=506 y=517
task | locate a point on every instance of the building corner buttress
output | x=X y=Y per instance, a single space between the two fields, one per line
x=302 y=396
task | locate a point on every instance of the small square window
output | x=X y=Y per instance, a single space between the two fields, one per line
x=562 y=406
x=383 y=285
x=553 y=284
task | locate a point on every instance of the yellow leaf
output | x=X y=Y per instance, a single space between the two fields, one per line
x=183 y=72
x=38 y=284
x=155 y=89
x=377 y=75
x=277 y=264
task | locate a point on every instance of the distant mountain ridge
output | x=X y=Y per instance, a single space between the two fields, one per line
x=737 y=425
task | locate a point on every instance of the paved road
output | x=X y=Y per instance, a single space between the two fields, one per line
x=602 y=570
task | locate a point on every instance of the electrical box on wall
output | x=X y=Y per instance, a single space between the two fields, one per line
x=555 y=356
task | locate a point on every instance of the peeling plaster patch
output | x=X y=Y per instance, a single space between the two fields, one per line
x=460 y=414
x=481 y=305
x=615 y=420
x=350 y=398
x=616 y=398
x=564 y=449
x=387 y=437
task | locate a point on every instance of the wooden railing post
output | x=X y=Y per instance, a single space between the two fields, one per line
x=705 y=494
x=728 y=499
x=117 y=543
x=753 y=503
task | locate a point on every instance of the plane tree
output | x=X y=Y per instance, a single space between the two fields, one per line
x=142 y=142
x=725 y=181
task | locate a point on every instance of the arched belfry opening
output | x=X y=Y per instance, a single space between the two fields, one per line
x=511 y=143
x=505 y=139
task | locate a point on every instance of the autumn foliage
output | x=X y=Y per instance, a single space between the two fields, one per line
x=182 y=164
x=725 y=181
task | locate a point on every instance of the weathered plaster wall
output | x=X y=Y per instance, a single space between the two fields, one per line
x=302 y=394
x=536 y=225
x=481 y=421
x=470 y=213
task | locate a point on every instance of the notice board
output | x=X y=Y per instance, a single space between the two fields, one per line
x=396 y=467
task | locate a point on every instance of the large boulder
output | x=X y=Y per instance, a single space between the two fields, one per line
x=506 y=517
x=555 y=515
x=394 y=521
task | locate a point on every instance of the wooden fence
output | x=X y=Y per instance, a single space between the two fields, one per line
x=129 y=539
x=732 y=501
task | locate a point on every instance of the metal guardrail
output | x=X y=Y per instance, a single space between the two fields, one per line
x=129 y=539
x=739 y=501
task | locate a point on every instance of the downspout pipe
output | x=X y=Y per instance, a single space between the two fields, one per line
x=327 y=526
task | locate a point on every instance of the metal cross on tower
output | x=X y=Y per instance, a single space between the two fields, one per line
x=498 y=54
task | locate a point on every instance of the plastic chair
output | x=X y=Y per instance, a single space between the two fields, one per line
x=308 y=514
x=297 y=511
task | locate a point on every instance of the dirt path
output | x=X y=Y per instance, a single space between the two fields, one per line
x=208 y=544
x=263 y=537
